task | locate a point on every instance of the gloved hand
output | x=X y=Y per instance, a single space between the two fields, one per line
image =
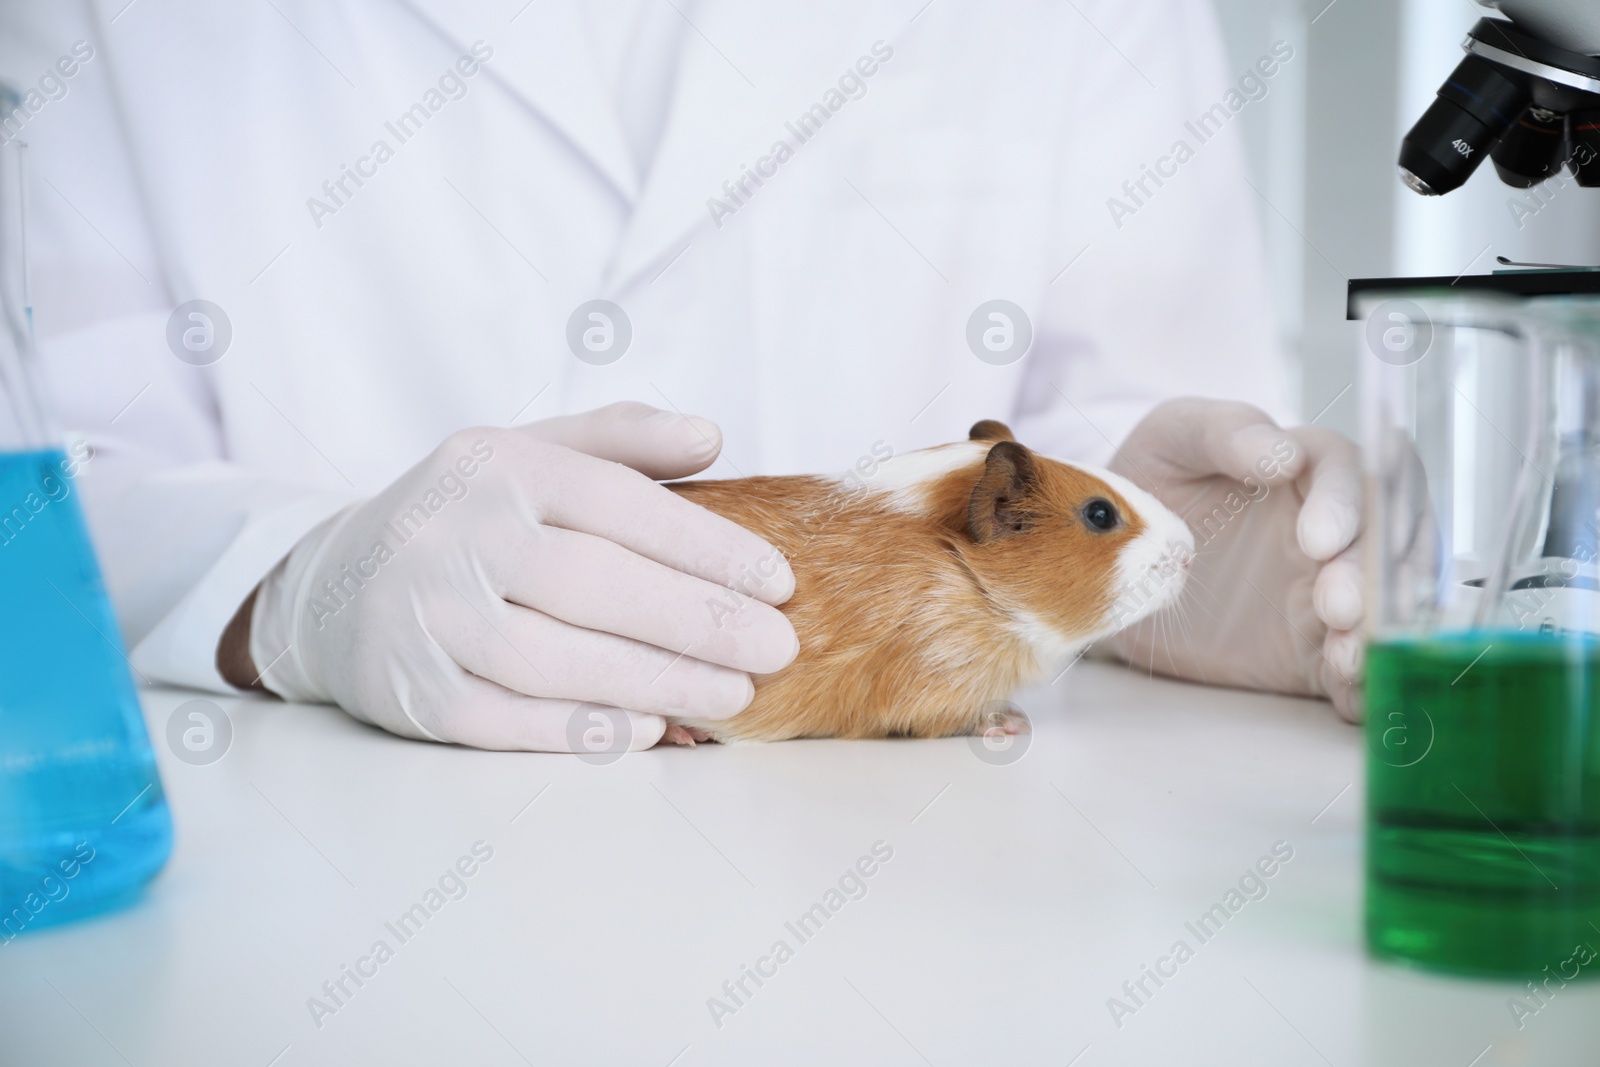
x=514 y=574
x=1274 y=597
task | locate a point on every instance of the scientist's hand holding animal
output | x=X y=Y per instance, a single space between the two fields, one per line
x=1274 y=598
x=557 y=571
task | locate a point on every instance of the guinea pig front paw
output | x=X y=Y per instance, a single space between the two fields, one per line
x=679 y=734
x=1003 y=718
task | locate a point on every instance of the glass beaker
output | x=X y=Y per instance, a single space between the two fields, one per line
x=1481 y=427
x=84 y=822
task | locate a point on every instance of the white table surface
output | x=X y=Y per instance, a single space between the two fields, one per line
x=1018 y=900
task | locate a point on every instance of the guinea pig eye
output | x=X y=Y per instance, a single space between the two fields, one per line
x=1100 y=515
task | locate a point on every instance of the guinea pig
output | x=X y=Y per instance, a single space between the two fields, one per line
x=927 y=593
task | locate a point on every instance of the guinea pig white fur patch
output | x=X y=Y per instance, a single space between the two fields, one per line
x=904 y=480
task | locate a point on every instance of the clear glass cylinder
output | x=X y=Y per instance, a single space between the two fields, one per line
x=1481 y=432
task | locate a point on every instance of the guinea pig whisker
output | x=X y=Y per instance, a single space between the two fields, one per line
x=1187 y=630
x=1195 y=579
x=1151 y=667
x=1165 y=632
x=1169 y=625
x=1199 y=586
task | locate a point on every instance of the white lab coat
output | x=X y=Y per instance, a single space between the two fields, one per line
x=821 y=322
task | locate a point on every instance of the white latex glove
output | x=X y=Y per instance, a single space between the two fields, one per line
x=514 y=574
x=1274 y=597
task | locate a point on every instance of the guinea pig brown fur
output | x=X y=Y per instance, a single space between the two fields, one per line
x=926 y=594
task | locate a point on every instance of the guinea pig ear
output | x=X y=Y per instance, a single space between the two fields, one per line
x=990 y=430
x=996 y=509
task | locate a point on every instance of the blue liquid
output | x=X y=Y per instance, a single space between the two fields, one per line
x=83 y=819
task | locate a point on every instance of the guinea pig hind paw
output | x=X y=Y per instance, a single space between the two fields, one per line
x=676 y=735
x=679 y=734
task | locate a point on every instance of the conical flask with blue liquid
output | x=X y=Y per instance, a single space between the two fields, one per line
x=84 y=823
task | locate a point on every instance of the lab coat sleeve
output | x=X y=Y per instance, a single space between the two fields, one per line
x=158 y=479
x=1166 y=291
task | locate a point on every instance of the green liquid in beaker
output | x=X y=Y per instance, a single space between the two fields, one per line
x=1483 y=803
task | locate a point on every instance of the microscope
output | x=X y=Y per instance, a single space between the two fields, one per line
x=1527 y=95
